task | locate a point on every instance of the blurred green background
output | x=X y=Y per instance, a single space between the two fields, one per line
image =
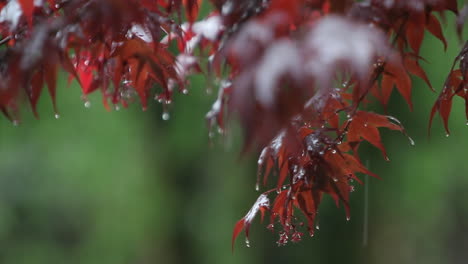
x=126 y=187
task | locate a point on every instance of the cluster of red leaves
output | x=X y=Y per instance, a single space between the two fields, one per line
x=315 y=129
x=295 y=72
x=98 y=42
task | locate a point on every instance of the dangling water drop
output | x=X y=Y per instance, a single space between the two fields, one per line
x=317 y=227
x=257 y=187
x=333 y=151
x=185 y=91
x=387 y=158
x=411 y=141
x=348 y=218
x=16 y=122
x=247 y=242
x=116 y=107
x=466 y=123
x=87 y=104
x=57 y=116
x=447 y=135
x=165 y=116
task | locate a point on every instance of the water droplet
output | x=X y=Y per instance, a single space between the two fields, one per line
x=185 y=91
x=411 y=141
x=365 y=124
x=348 y=218
x=16 y=122
x=57 y=116
x=466 y=123
x=87 y=104
x=335 y=179
x=317 y=227
x=387 y=158
x=333 y=151
x=257 y=187
x=116 y=107
x=211 y=134
x=165 y=116
x=220 y=130
x=247 y=242
x=447 y=135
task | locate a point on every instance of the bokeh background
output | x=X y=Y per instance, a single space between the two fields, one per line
x=127 y=187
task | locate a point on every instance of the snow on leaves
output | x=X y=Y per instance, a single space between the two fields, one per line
x=297 y=75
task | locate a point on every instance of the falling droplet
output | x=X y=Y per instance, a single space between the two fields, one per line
x=387 y=158
x=317 y=227
x=247 y=242
x=185 y=91
x=335 y=179
x=348 y=218
x=87 y=104
x=411 y=141
x=447 y=135
x=165 y=116
x=57 y=116
x=466 y=123
x=116 y=107
x=257 y=187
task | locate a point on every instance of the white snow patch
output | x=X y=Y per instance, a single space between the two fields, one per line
x=11 y=13
x=208 y=28
x=183 y=64
x=140 y=31
x=282 y=58
x=337 y=40
x=262 y=201
x=252 y=32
